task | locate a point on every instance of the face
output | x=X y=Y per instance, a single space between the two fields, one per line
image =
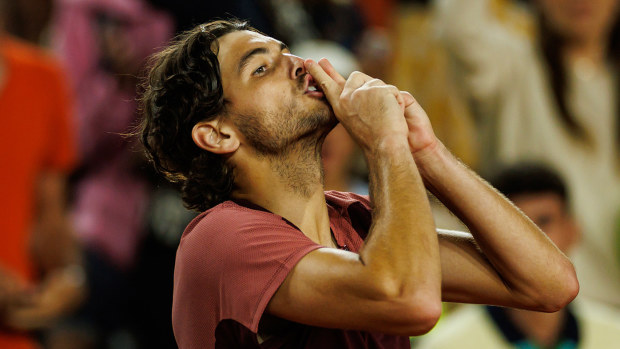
x=268 y=94
x=580 y=19
x=548 y=212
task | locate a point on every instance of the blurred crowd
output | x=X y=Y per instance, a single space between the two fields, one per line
x=89 y=231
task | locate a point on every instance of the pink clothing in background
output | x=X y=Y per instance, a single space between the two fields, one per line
x=111 y=196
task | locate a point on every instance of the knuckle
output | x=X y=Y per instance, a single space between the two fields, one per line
x=356 y=74
x=377 y=82
x=356 y=94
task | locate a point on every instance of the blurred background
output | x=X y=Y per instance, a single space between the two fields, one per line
x=89 y=232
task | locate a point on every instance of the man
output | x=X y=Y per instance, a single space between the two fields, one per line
x=542 y=196
x=40 y=276
x=275 y=261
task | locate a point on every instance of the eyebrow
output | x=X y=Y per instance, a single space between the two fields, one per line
x=259 y=50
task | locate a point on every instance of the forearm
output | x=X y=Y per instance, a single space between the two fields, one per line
x=524 y=258
x=402 y=248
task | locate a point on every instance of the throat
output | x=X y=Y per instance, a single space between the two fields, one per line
x=299 y=170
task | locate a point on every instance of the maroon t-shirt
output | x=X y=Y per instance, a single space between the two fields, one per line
x=232 y=259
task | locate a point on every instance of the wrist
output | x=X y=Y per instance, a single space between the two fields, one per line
x=430 y=155
x=433 y=161
x=387 y=147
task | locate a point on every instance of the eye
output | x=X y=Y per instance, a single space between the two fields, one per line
x=261 y=70
x=543 y=220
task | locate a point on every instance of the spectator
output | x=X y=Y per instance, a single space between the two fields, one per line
x=105 y=42
x=40 y=275
x=542 y=196
x=550 y=94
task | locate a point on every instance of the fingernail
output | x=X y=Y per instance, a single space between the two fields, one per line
x=309 y=62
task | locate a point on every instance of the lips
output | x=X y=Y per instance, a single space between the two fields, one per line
x=311 y=87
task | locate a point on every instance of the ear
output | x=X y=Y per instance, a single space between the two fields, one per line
x=215 y=136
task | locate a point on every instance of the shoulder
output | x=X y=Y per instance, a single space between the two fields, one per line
x=230 y=221
x=227 y=230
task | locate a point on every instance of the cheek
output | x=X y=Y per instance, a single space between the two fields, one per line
x=257 y=101
x=272 y=97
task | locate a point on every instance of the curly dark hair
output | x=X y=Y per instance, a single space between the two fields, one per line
x=184 y=87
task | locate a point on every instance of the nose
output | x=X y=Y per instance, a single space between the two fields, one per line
x=296 y=67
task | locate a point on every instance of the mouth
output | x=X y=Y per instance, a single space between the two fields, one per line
x=312 y=88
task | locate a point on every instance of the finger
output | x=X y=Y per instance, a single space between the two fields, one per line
x=396 y=93
x=330 y=88
x=407 y=98
x=357 y=80
x=400 y=99
x=331 y=71
x=374 y=82
x=390 y=88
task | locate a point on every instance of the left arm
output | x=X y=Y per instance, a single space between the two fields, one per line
x=509 y=261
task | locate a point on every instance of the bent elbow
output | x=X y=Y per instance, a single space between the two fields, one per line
x=410 y=312
x=422 y=316
x=563 y=294
x=569 y=292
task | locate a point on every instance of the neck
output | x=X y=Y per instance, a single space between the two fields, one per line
x=590 y=49
x=289 y=185
x=543 y=328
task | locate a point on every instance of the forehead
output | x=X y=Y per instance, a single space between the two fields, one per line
x=233 y=46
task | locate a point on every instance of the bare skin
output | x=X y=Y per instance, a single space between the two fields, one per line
x=405 y=268
x=496 y=268
x=550 y=213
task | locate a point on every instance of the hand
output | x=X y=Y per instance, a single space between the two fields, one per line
x=13 y=292
x=369 y=109
x=61 y=292
x=421 y=136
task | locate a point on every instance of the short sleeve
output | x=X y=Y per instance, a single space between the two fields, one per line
x=229 y=265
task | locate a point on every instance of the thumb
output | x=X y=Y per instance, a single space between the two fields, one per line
x=407 y=98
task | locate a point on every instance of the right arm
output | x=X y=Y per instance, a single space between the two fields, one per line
x=394 y=284
x=484 y=49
